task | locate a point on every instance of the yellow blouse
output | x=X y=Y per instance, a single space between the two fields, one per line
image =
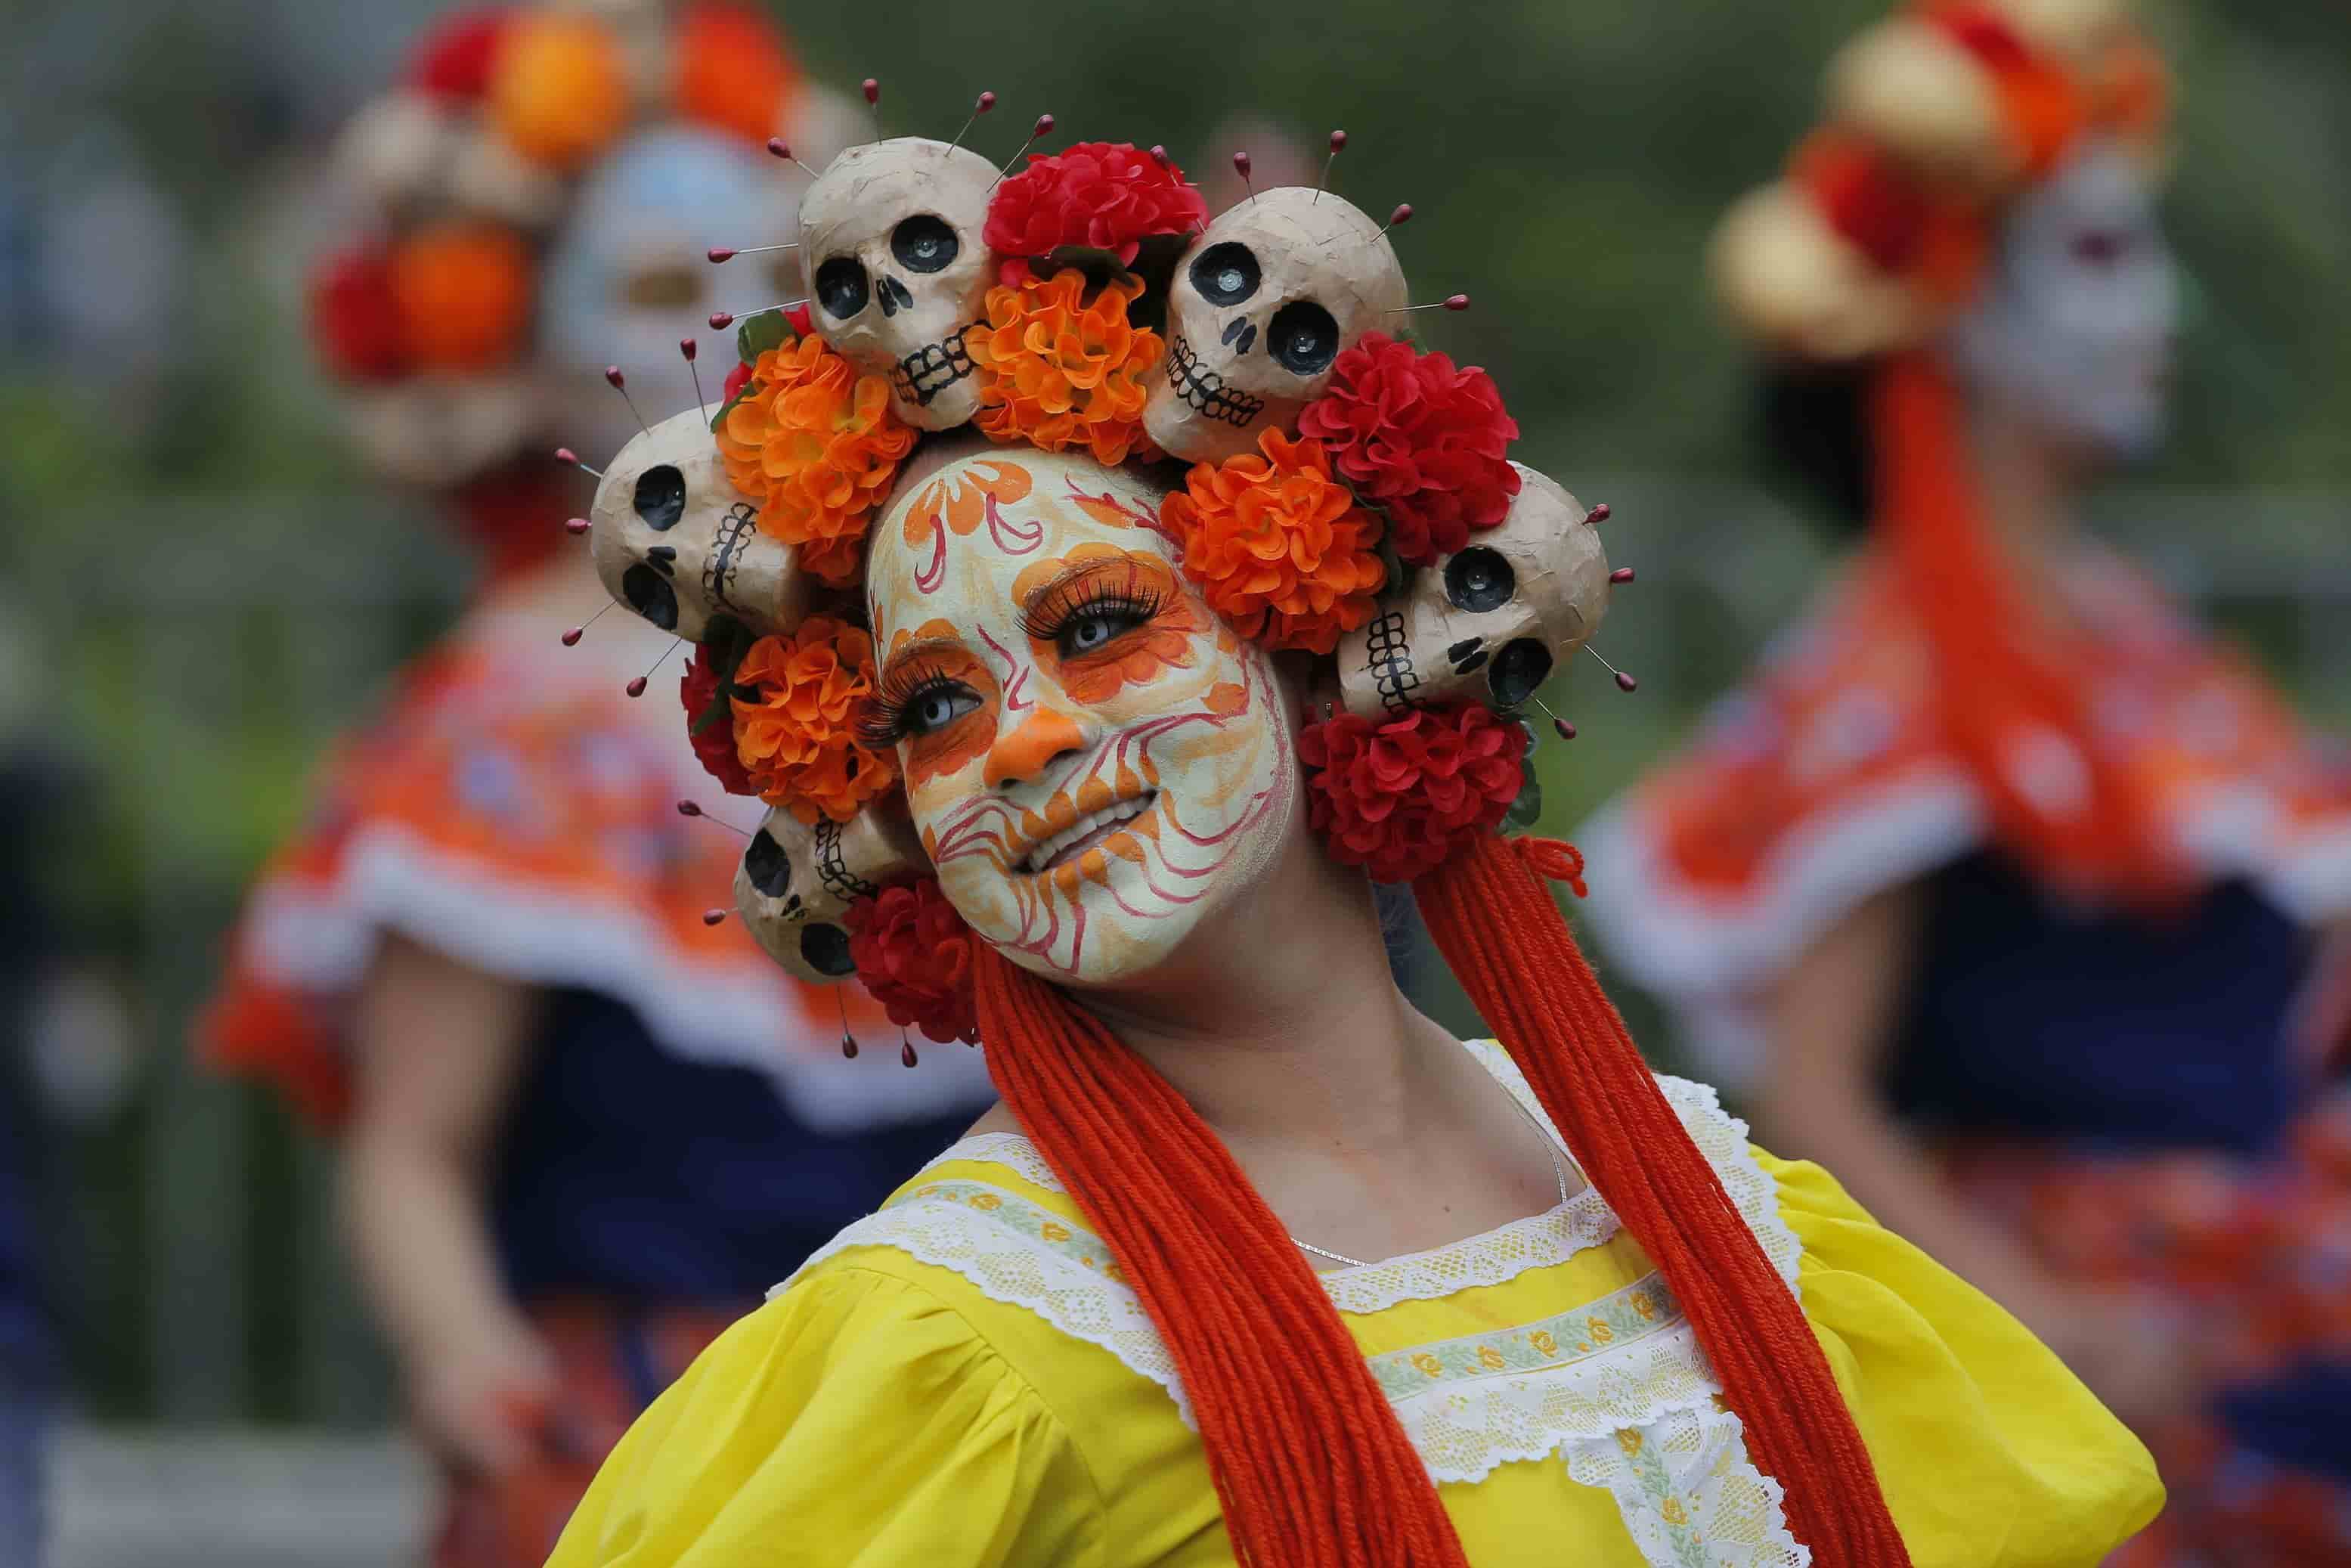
x=963 y=1379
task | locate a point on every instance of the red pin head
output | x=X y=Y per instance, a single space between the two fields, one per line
x=848 y=1045
x=571 y=638
x=687 y=346
x=1622 y=575
x=872 y=86
x=720 y=254
x=987 y=102
x=907 y=1053
x=1401 y=216
x=721 y=320
x=614 y=377
x=1044 y=127
x=1456 y=302
x=1159 y=154
x=688 y=809
x=1625 y=682
x=1241 y=164
x=636 y=688
x=1565 y=730
x=565 y=455
x=575 y=527
x=1599 y=514
x=1338 y=141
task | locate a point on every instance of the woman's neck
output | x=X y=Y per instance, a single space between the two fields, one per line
x=2032 y=498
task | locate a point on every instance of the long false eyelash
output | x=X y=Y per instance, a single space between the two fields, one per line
x=883 y=725
x=1054 y=612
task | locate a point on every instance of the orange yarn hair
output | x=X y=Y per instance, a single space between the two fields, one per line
x=1310 y=1463
x=2001 y=684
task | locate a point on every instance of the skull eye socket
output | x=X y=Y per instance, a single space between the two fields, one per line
x=650 y=595
x=1520 y=667
x=826 y=948
x=925 y=244
x=840 y=286
x=1225 y=274
x=660 y=498
x=667 y=288
x=769 y=869
x=1303 y=338
x=1478 y=580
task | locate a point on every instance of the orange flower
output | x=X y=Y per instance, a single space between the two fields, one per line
x=817 y=445
x=1280 y=548
x=1061 y=373
x=732 y=72
x=560 y=90
x=463 y=292
x=798 y=736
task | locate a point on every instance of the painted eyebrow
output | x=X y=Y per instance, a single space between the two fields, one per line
x=1086 y=567
x=916 y=649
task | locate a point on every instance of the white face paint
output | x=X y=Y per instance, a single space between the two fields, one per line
x=631 y=274
x=1096 y=762
x=2075 y=324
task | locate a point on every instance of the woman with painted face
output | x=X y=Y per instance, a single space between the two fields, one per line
x=580 y=1129
x=1093 y=761
x=2000 y=887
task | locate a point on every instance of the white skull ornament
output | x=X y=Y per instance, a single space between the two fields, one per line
x=678 y=544
x=796 y=883
x=1490 y=620
x=891 y=235
x=1262 y=303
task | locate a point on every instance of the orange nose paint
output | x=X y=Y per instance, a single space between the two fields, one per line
x=1024 y=753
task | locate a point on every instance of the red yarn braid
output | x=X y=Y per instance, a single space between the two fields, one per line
x=1506 y=942
x=1310 y=1465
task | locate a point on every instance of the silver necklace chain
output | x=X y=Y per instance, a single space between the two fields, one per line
x=1558 y=1166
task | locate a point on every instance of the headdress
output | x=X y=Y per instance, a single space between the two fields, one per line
x=1352 y=497
x=1880 y=229
x=433 y=319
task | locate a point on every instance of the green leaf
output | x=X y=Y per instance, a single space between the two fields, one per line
x=757 y=334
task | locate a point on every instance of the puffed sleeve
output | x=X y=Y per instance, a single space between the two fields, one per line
x=855 y=1419
x=1991 y=1454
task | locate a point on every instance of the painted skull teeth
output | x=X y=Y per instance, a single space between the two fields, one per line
x=832 y=868
x=1387 y=659
x=933 y=368
x=718 y=567
x=1204 y=390
x=1117 y=811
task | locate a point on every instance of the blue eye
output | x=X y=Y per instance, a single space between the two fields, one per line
x=937 y=707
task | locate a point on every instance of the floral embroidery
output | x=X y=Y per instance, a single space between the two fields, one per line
x=1051 y=1232
x=1601 y=1332
x=1491 y=1357
x=1429 y=1365
x=1543 y=1343
x=1611 y=1320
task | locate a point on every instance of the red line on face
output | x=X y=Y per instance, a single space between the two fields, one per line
x=928 y=577
x=1012 y=539
x=1016 y=672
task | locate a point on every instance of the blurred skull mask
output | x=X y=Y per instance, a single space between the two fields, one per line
x=1491 y=621
x=797 y=880
x=2076 y=323
x=1263 y=303
x=891 y=233
x=630 y=274
x=677 y=543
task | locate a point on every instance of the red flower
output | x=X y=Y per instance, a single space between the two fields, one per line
x=714 y=743
x=1397 y=798
x=736 y=380
x=355 y=317
x=913 y=953
x=454 y=61
x=1427 y=443
x=1101 y=196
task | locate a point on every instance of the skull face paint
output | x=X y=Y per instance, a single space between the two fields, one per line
x=1492 y=620
x=891 y=233
x=1262 y=303
x=1094 y=761
x=629 y=273
x=2076 y=323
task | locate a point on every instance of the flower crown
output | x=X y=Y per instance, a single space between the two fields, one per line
x=1350 y=495
x=469 y=164
x=1936 y=116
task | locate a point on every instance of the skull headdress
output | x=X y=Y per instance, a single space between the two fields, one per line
x=942 y=296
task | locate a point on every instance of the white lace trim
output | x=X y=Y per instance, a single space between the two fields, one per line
x=1688 y=1494
x=1619 y=1387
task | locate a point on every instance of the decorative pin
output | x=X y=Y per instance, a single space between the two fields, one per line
x=571 y=638
x=688 y=809
x=1625 y=683
x=720 y=254
x=987 y=101
x=1565 y=730
x=906 y=1049
x=780 y=147
x=722 y=320
x=1338 y=145
x=714 y=917
x=1450 y=302
x=620 y=383
x=848 y=1041
x=1241 y=167
x=1598 y=514
x=872 y=88
x=565 y=455
x=575 y=527
x=636 y=688
x=1044 y=127
x=1397 y=219
x=687 y=346
x=1621 y=576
